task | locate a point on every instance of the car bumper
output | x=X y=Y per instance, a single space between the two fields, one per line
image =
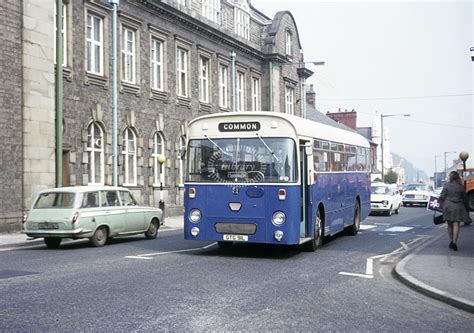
x=77 y=233
x=416 y=201
x=379 y=208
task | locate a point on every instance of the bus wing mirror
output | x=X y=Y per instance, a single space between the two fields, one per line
x=308 y=149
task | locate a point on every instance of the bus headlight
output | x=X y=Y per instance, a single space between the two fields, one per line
x=195 y=215
x=278 y=218
x=195 y=231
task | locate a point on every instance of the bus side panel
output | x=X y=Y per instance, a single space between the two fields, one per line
x=337 y=193
x=214 y=202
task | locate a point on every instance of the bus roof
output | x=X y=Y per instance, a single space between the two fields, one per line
x=300 y=126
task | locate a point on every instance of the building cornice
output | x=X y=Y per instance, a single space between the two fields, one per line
x=197 y=26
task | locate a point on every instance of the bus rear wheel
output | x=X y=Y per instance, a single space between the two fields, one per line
x=354 y=228
x=318 y=234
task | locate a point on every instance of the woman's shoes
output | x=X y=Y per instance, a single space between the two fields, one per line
x=453 y=246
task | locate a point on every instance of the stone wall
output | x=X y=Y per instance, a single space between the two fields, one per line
x=38 y=98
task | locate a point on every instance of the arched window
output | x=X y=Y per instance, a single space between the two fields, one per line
x=95 y=151
x=129 y=151
x=158 y=169
x=288 y=41
x=182 y=158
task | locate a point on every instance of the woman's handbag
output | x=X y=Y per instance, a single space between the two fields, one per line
x=438 y=219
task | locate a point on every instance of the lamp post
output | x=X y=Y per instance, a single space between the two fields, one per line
x=436 y=171
x=382 y=134
x=115 y=4
x=463 y=156
x=161 y=204
x=445 y=165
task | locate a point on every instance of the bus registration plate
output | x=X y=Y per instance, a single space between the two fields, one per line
x=236 y=238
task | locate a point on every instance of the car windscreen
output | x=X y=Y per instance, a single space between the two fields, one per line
x=55 y=200
x=417 y=188
x=248 y=160
x=380 y=190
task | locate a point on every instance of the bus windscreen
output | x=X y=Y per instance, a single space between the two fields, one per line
x=242 y=160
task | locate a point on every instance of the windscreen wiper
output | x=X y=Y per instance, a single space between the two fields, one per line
x=269 y=149
x=217 y=146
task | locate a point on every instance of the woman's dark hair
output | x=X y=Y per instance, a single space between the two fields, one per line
x=454 y=177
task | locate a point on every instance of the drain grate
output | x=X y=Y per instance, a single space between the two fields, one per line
x=6 y=274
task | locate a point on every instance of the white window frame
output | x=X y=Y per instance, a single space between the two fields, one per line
x=94 y=47
x=182 y=161
x=181 y=72
x=204 y=83
x=242 y=23
x=63 y=33
x=95 y=145
x=223 y=85
x=288 y=41
x=158 y=169
x=289 y=100
x=129 y=148
x=240 y=91
x=211 y=9
x=128 y=55
x=256 y=94
x=156 y=61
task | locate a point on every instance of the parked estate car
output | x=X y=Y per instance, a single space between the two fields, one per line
x=385 y=198
x=417 y=194
x=95 y=212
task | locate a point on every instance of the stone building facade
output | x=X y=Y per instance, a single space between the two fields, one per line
x=175 y=60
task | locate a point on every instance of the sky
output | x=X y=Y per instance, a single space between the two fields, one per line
x=395 y=57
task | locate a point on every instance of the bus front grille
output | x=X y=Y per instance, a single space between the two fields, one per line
x=236 y=228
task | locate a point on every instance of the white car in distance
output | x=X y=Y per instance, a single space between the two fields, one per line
x=417 y=194
x=385 y=199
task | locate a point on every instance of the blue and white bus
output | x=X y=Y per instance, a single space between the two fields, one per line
x=273 y=178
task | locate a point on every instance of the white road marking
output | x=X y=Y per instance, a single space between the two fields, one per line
x=399 y=229
x=366 y=226
x=138 y=257
x=357 y=275
x=405 y=246
x=148 y=255
x=369 y=270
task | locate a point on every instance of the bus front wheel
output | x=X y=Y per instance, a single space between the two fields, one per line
x=224 y=245
x=318 y=235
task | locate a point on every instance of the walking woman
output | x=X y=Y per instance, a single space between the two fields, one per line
x=454 y=207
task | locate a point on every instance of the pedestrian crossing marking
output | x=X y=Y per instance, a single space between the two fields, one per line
x=399 y=229
x=366 y=227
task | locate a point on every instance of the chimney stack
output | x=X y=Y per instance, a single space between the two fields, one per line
x=311 y=96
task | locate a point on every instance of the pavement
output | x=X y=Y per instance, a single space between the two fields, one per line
x=432 y=268
x=437 y=271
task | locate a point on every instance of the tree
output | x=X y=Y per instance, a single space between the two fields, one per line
x=391 y=177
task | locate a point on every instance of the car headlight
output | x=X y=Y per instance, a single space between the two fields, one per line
x=425 y=197
x=385 y=202
x=195 y=215
x=278 y=218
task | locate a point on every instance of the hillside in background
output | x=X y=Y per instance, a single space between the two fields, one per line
x=412 y=173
